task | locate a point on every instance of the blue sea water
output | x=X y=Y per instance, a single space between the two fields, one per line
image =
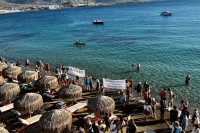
x=167 y=48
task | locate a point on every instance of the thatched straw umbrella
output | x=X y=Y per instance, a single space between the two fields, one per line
x=28 y=103
x=12 y=72
x=8 y=90
x=46 y=83
x=101 y=104
x=3 y=66
x=1 y=80
x=70 y=92
x=27 y=76
x=56 y=121
x=3 y=130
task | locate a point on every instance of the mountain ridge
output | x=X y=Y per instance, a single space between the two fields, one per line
x=58 y=2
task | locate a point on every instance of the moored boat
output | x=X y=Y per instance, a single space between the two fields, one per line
x=98 y=22
x=166 y=13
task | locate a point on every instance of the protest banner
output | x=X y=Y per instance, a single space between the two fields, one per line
x=76 y=72
x=115 y=84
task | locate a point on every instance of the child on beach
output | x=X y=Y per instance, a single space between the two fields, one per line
x=122 y=99
x=147 y=110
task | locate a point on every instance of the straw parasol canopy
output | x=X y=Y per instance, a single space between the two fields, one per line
x=27 y=76
x=101 y=104
x=46 y=83
x=56 y=121
x=8 y=90
x=3 y=66
x=28 y=103
x=3 y=130
x=1 y=80
x=12 y=72
x=70 y=91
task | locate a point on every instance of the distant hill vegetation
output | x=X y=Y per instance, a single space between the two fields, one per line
x=61 y=1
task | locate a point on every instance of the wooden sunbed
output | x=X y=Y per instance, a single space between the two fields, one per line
x=76 y=107
x=6 y=107
x=28 y=122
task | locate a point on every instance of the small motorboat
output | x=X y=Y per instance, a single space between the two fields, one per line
x=166 y=13
x=79 y=43
x=98 y=22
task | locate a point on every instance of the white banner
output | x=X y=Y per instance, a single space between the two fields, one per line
x=115 y=84
x=76 y=72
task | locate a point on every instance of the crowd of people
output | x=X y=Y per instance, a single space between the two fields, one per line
x=106 y=124
x=179 y=117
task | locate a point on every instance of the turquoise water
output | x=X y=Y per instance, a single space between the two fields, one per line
x=167 y=48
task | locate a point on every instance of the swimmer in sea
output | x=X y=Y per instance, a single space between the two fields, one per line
x=187 y=79
x=133 y=64
x=138 y=66
x=6 y=48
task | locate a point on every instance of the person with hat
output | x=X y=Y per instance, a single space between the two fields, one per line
x=195 y=117
x=174 y=115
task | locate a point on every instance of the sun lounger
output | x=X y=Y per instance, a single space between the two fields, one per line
x=5 y=101
x=63 y=105
x=48 y=95
x=77 y=107
x=90 y=116
x=6 y=108
x=16 y=112
x=71 y=109
x=80 y=105
x=28 y=121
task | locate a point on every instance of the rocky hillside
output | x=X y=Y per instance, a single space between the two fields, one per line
x=39 y=2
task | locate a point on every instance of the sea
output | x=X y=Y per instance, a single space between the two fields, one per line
x=167 y=48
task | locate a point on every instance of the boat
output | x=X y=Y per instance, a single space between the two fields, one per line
x=79 y=43
x=98 y=22
x=166 y=13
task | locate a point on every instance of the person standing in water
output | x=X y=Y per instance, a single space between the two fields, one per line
x=171 y=98
x=187 y=79
x=133 y=64
x=27 y=63
x=138 y=66
x=47 y=68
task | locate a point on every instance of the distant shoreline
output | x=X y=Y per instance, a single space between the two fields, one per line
x=28 y=8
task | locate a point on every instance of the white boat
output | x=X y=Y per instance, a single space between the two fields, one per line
x=166 y=13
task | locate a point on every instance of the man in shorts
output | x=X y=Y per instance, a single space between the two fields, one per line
x=171 y=98
x=163 y=95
